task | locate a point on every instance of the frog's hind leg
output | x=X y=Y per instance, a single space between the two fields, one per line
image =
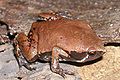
x=25 y=52
x=56 y=52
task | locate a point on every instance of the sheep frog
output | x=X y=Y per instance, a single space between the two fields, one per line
x=54 y=38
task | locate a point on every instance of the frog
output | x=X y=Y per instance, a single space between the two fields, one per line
x=54 y=38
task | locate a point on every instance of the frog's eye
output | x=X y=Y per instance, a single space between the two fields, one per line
x=33 y=28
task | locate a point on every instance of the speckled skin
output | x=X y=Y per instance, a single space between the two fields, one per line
x=74 y=40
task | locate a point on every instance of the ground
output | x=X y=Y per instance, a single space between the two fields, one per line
x=104 y=17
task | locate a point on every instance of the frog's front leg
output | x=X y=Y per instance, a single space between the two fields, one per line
x=56 y=52
x=26 y=49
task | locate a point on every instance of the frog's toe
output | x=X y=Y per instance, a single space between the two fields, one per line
x=22 y=62
x=27 y=65
x=59 y=71
x=68 y=72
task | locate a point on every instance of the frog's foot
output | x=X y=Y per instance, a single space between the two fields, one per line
x=20 y=59
x=22 y=62
x=68 y=72
x=55 y=62
x=61 y=72
x=26 y=65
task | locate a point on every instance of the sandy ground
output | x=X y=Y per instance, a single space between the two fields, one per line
x=106 y=69
x=103 y=15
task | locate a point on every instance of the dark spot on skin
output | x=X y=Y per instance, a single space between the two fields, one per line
x=32 y=39
x=50 y=18
x=61 y=37
x=29 y=45
x=40 y=19
x=33 y=28
x=33 y=46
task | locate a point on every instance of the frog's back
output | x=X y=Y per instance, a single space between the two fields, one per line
x=70 y=35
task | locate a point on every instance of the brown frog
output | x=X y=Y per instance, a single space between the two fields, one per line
x=55 y=38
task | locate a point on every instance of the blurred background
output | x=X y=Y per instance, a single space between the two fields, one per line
x=103 y=16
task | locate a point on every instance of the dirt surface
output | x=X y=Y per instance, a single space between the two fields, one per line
x=103 y=15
